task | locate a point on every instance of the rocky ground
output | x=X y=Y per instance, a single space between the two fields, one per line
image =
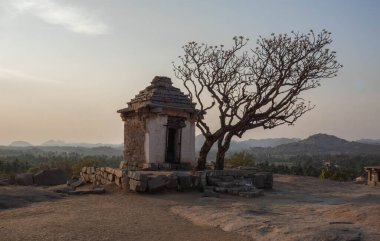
x=299 y=208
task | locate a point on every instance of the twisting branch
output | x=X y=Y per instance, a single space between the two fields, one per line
x=256 y=88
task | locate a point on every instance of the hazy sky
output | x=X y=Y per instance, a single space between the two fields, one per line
x=67 y=66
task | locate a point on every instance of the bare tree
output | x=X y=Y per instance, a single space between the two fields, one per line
x=260 y=87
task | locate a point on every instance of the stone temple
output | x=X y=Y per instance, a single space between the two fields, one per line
x=159 y=128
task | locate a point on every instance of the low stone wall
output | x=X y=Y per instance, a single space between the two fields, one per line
x=261 y=180
x=236 y=182
x=105 y=175
x=49 y=177
x=155 y=181
x=246 y=183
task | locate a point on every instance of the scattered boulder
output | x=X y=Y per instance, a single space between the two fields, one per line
x=96 y=190
x=360 y=180
x=210 y=193
x=77 y=183
x=25 y=179
x=50 y=177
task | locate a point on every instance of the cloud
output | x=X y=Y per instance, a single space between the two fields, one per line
x=15 y=75
x=69 y=17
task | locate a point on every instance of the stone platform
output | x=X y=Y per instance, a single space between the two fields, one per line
x=246 y=183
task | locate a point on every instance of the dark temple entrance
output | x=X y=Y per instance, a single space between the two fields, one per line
x=173 y=139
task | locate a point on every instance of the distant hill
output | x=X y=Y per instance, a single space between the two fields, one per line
x=319 y=144
x=369 y=141
x=54 y=143
x=245 y=145
x=42 y=150
x=80 y=144
x=20 y=143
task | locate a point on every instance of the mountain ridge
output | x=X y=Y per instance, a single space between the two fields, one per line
x=320 y=144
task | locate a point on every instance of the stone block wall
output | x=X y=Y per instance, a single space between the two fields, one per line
x=105 y=175
x=246 y=183
x=134 y=140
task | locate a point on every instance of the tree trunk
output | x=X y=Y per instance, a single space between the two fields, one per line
x=222 y=149
x=219 y=162
x=206 y=147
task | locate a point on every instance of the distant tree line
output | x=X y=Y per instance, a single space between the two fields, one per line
x=71 y=162
x=334 y=167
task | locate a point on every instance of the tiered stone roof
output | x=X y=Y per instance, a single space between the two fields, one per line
x=161 y=94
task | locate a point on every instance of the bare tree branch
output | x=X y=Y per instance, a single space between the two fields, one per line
x=256 y=88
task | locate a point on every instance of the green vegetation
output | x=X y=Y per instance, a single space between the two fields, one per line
x=19 y=161
x=242 y=158
x=335 y=167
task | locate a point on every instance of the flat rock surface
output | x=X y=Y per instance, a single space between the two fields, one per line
x=299 y=208
x=113 y=216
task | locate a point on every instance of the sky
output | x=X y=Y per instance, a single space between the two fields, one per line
x=67 y=66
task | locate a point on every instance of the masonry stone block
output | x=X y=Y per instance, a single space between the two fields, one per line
x=158 y=183
x=118 y=172
x=137 y=186
x=111 y=177
x=259 y=181
x=125 y=182
x=110 y=170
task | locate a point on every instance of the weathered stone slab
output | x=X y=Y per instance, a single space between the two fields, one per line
x=151 y=166
x=119 y=172
x=185 y=182
x=209 y=193
x=77 y=183
x=118 y=181
x=91 y=177
x=90 y=170
x=251 y=194
x=225 y=184
x=137 y=186
x=138 y=175
x=125 y=182
x=50 y=177
x=123 y=165
x=97 y=190
x=213 y=181
x=110 y=170
x=158 y=183
x=105 y=175
x=111 y=177
x=172 y=183
x=259 y=181
x=227 y=178
x=25 y=179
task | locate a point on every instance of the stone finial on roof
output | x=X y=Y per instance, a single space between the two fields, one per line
x=161 y=93
x=161 y=81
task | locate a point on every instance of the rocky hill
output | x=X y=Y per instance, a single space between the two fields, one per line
x=20 y=143
x=320 y=144
x=247 y=144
